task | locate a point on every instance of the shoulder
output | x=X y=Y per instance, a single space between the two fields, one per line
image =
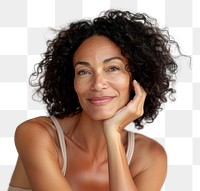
x=148 y=153
x=34 y=132
x=149 y=164
x=39 y=154
x=32 y=126
x=145 y=144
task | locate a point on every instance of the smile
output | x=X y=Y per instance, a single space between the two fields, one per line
x=100 y=100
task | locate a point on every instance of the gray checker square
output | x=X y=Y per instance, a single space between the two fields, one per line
x=196 y=41
x=179 y=178
x=13 y=13
x=37 y=38
x=175 y=12
x=8 y=127
x=178 y=123
x=184 y=73
x=6 y=171
x=196 y=151
x=34 y=101
x=65 y=14
x=124 y=5
x=196 y=96
x=13 y=68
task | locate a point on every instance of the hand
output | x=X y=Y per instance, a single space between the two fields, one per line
x=132 y=111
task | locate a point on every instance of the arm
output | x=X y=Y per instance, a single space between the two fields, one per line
x=120 y=176
x=39 y=157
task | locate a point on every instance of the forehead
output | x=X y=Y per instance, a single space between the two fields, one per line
x=97 y=47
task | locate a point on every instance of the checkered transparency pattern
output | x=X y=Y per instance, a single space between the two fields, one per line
x=24 y=30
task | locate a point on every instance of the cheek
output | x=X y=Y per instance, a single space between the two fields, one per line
x=123 y=82
x=125 y=89
x=77 y=87
x=80 y=88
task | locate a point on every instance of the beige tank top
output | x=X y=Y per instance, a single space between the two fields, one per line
x=129 y=152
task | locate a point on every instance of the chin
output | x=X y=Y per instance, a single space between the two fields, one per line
x=101 y=116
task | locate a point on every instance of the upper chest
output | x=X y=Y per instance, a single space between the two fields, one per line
x=85 y=174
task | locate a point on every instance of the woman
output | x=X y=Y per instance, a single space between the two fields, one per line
x=97 y=77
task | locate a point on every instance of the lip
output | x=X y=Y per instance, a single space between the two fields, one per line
x=100 y=100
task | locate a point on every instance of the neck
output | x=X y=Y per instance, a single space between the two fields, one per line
x=89 y=135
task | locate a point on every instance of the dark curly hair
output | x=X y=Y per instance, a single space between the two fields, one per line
x=142 y=42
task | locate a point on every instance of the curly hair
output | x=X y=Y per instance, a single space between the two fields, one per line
x=146 y=47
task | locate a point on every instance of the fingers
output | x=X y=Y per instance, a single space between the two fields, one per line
x=137 y=104
x=138 y=89
x=132 y=111
x=140 y=92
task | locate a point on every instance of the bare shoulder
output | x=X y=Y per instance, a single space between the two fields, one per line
x=149 y=160
x=145 y=145
x=32 y=124
x=33 y=138
x=38 y=166
x=37 y=122
x=36 y=130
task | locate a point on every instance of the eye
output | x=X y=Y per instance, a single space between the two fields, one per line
x=83 y=72
x=113 y=69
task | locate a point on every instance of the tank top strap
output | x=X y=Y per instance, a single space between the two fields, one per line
x=129 y=152
x=130 y=146
x=62 y=143
x=11 y=188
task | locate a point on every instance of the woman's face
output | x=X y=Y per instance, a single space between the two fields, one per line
x=101 y=81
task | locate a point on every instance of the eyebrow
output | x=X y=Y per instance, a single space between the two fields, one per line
x=105 y=61
x=112 y=58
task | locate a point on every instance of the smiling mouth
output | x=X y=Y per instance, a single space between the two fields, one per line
x=100 y=100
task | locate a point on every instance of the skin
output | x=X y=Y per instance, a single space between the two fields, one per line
x=96 y=139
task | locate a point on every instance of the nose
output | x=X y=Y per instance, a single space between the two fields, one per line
x=99 y=82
